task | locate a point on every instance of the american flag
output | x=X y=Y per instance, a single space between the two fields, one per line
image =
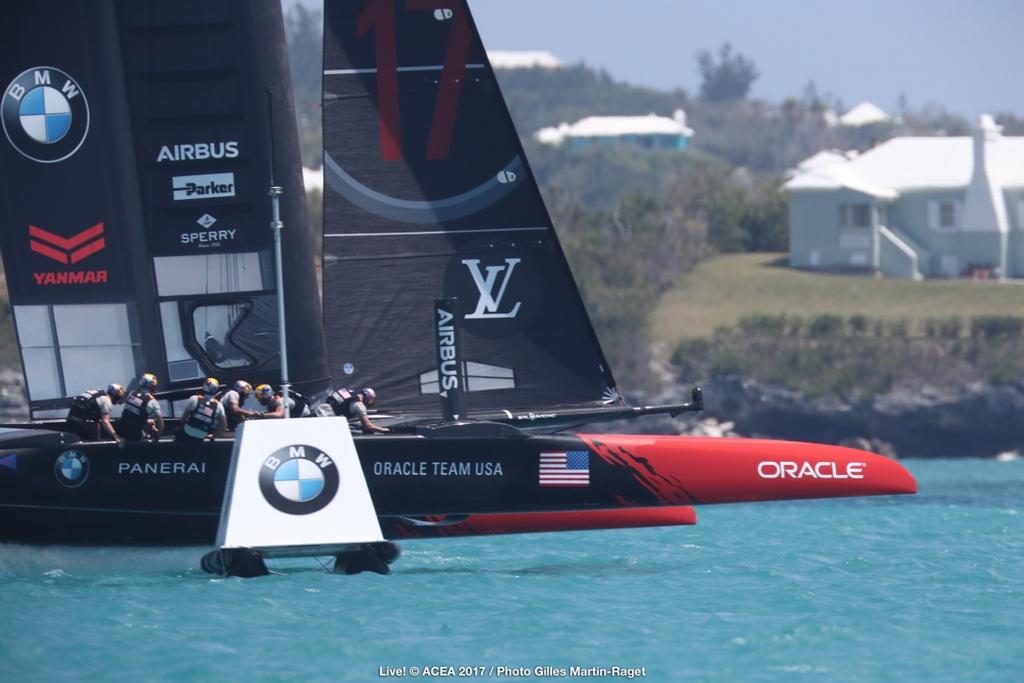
x=565 y=468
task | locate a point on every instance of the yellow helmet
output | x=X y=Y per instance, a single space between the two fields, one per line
x=212 y=386
x=148 y=381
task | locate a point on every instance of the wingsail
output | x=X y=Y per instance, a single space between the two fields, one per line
x=429 y=196
x=135 y=165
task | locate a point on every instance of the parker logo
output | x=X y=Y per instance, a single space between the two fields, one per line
x=207 y=186
x=489 y=303
x=45 y=114
x=69 y=251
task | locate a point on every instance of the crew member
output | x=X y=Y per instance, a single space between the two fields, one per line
x=141 y=415
x=353 y=405
x=89 y=416
x=233 y=399
x=203 y=417
x=274 y=403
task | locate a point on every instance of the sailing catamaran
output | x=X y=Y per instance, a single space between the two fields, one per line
x=444 y=284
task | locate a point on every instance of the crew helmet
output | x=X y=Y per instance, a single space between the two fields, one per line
x=212 y=386
x=116 y=392
x=264 y=392
x=148 y=381
x=369 y=396
x=243 y=387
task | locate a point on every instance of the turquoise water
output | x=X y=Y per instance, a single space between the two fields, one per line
x=921 y=588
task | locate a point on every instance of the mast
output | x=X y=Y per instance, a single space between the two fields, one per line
x=276 y=224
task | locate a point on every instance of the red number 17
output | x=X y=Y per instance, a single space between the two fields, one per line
x=379 y=17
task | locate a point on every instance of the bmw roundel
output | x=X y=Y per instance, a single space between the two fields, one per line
x=45 y=114
x=71 y=468
x=298 y=479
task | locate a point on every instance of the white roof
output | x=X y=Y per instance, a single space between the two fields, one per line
x=526 y=59
x=826 y=157
x=917 y=163
x=615 y=126
x=863 y=114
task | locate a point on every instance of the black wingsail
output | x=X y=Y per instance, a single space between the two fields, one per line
x=429 y=196
x=133 y=195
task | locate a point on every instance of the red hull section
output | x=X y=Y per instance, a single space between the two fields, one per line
x=684 y=470
x=537 y=522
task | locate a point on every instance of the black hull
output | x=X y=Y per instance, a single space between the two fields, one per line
x=170 y=493
x=56 y=490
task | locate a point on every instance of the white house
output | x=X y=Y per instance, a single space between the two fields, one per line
x=914 y=207
x=864 y=114
x=649 y=132
x=523 y=59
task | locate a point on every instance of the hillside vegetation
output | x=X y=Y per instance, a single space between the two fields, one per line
x=845 y=337
x=725 y=289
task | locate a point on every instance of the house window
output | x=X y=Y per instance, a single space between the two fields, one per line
x=855 y=215
x=947 y=215
x=944 y=215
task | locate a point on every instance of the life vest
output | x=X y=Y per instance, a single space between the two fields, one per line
x=202 y=420
x=85 y=406
x=341 y=401
x=300 y=407
x=133 y=418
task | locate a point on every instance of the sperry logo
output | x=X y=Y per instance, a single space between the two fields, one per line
x=489 y=303
x=208 y=237
x=204 y=186
x=66 y=249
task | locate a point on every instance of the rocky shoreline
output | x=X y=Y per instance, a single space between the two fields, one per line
x=977 y=420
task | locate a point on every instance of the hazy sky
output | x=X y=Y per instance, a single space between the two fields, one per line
x=964 y=55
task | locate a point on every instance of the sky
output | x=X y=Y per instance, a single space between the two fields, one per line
x=962 y=55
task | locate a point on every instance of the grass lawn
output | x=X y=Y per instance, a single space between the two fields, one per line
x=724 y=289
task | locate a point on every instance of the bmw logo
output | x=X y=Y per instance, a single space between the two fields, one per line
x=298 y=479
x=71 y=468
x=45 y=114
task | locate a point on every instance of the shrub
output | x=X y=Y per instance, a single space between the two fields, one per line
x=858 y=324
x=764 y=325
x=825 y=326
x=993 y=326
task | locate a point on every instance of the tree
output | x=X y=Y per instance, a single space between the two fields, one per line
x=726 y=79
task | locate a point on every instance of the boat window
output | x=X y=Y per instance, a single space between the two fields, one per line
x=212 y=274
x=68 y=349
x=214 y=327
x=98 y=345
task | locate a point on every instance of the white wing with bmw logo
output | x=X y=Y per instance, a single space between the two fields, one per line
x=296 y=488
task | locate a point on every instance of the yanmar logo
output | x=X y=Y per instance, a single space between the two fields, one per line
x=787 y=469
x=69 y=251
